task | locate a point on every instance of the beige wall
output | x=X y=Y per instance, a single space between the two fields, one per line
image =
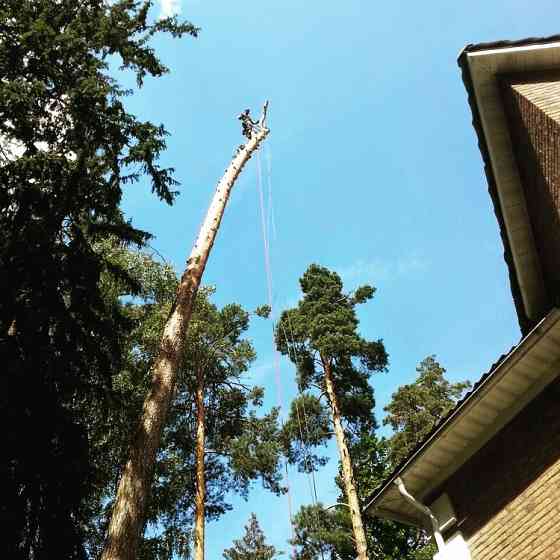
x=507 y=497
x=532 y=103
x=527 y=528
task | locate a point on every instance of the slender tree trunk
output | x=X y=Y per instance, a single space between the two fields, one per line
x=200 y=499
x=127 y=519
x=347 y=470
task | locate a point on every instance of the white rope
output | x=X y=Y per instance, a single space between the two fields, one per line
x=269 y=289
x=266 y=226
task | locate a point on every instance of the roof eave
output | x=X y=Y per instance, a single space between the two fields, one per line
x=548 y=327
x=481 y=65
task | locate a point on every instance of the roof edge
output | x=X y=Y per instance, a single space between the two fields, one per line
x=506 y=44
x=537 y=332
x=525 y=322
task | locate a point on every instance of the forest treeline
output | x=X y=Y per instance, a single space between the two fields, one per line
x=85 y=299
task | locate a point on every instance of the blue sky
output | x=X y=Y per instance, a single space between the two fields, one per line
x=374 y=170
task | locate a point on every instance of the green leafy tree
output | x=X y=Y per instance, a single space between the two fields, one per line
x=109 y=422
x=416 y=408
x=215 y=364
x=321 y=337
x=69 y=147
x=252 y=546
x=307 y=427
x=387 y=540
x=238 y=447
x=326 y=532
x=322 y=532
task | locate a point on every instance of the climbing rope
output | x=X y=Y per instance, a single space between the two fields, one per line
x=304 y=440
x=269 y=289
x=310 y=473
x=268 y=224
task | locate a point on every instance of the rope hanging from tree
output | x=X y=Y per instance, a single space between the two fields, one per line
x=268 y=224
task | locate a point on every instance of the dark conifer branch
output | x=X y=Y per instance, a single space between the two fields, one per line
x=66 y=137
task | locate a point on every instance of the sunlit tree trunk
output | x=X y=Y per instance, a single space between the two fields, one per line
x=347 y=470
x=128 y=515
x=200 y=498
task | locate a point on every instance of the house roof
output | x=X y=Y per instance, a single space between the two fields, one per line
x=512 y=382
x=481 y=66
x=518 y=376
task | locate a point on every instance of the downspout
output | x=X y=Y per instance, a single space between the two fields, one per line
x=425 y=510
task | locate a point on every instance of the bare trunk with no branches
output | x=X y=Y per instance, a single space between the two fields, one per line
x=347 y=471
x=200 y=499
x=127 y=520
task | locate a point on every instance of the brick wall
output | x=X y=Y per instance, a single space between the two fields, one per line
x=532 y=103
x=507 y=497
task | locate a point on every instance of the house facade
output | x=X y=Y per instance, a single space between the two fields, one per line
x=486 y=480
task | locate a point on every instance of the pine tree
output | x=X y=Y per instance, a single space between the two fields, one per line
x=412 y=413
x=129 y=509
x=416 y=408
x=326 y=532
x=239 y=446
x=320 y=336
x=68 y=149
x=252 y=546
x=228 y=435
x=109 y=425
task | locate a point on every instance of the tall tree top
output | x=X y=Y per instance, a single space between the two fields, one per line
x=324 y=328
x=330 y=314
x=252 y=546
x=416 y=408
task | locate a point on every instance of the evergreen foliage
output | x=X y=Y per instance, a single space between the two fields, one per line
x=248 y=444
x=307 y=427
x=321 y=338
x=252 y=546
x=242 y=446
x=412 y=413
x=416 y=408
x=111 y=427
x=322 y=533
x=326 y=532
x=69 y=147
x=323 y=327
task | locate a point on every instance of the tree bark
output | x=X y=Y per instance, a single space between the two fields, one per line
x=128 y=515
x=200 y=498
x=347 y=470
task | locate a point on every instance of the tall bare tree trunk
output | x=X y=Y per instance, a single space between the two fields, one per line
x=200 y=498
x=128 y=516
x=347 y=470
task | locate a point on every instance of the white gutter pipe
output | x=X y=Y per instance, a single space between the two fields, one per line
x=425 y=510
